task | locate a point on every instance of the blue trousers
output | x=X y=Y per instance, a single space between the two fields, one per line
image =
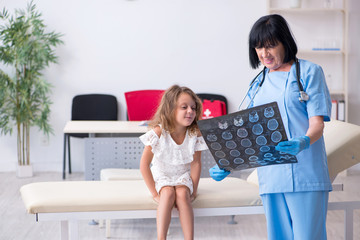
x=296 y=215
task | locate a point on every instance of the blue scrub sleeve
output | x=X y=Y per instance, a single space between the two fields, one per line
x=319 y=103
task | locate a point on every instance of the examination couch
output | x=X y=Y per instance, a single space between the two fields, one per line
x=69 y=202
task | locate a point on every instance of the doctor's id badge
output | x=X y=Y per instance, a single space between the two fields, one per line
x=246 y=139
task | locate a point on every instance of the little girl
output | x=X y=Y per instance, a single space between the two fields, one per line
x=173 y=148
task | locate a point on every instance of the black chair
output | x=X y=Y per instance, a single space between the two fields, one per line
x=212 y=97
x=99 y=107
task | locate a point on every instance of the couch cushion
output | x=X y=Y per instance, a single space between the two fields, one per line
x=84 y=196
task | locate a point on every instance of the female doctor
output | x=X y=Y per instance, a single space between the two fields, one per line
x=295 y=196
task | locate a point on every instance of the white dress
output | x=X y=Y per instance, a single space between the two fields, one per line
x=171 y=162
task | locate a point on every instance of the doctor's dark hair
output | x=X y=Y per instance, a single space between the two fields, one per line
x=268 y=31
x=165 y=114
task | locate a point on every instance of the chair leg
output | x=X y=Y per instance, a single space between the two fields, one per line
x=69 y=158
x=64 y=161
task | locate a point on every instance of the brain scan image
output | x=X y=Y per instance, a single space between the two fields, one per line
x=211 y=137
x=247 y=138
x=253 y=163
x=231 y=144
x=223 y=125
x=238 y=121
x=253 y=158
x=276 y=137
x=216 y=146
x=286 y=157
x=246 y=143
x=242 y=166
x=224 y=162
x=257 y=129
x=235 y=153
x=262 y=163
x=220 y=154
x=253 y=116
x=250 y=151
x=261 y=140
x=269 y=112
x=272 y=124
x=227 y=135
x=264 y=148
x=238 y=161
x=242 y=132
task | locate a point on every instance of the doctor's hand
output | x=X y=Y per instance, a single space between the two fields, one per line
x=294 y=146
x=218 y=174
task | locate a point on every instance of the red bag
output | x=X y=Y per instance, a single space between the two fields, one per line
x=213 y=108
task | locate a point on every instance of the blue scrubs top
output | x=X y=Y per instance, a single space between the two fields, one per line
x=311 y=172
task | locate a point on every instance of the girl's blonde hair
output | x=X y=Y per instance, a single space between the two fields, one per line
x=165 y=114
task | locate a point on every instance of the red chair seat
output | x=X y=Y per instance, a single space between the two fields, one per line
x=142 y=104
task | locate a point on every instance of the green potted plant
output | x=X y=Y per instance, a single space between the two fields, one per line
x=26 y=49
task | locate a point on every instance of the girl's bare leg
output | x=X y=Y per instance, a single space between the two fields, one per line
x=186 y=213
x=163 y=215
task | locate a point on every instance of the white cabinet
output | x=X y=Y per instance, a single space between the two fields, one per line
x=320 y=28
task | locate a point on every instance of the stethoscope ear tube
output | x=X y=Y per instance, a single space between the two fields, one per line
x=263 y=78
x=251 y=84
x=303 y=95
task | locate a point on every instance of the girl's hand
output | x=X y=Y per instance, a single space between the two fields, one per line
x=157 y=198
x=192 y=197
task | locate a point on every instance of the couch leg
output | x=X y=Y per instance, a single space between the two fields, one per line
x=108 y=224
x=349 y=221
x=73 y=230
x=232 y=220
x=64 y=232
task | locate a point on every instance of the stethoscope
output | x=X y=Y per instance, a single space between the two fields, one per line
x=303 y=96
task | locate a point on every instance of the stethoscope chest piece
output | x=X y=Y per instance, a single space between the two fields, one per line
x=303 y=96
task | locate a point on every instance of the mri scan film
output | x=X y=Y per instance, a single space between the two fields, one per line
x=246 y=139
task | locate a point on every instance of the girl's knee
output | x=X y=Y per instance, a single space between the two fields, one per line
x=167 y=192
x=182 y=194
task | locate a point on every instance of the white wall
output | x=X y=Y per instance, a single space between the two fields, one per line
x=114 y=46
